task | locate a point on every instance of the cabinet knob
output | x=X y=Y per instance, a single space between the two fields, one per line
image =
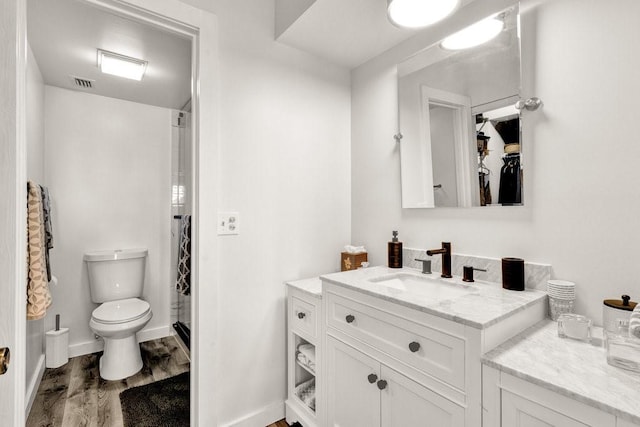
x=350 y=318
x=372 y=378
x=301 y=314
x=382 y=384
x=414 y=346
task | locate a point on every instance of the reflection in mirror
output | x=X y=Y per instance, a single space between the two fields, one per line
x=460 y=130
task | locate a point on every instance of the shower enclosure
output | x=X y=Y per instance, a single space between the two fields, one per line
x=181 y=174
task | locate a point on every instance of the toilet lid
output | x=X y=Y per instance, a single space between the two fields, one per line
x=124 y=310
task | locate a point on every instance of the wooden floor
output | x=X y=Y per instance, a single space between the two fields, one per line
x=75 y=395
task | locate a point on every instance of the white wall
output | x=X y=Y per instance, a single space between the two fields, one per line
x=109 y=174
x=284 y=149
x=581 y=180
x=35 y=173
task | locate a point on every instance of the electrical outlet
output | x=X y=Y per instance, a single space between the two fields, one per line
x=228 y=223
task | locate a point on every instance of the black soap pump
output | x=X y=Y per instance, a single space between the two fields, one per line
x=394 y=248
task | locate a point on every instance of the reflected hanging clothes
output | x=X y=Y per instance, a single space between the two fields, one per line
x=510 y=180
x=485 y=189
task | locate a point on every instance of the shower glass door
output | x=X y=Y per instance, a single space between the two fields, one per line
x=181 y=173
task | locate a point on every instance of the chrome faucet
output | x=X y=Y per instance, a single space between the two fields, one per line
x=445 y=251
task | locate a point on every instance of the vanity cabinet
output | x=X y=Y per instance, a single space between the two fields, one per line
x=303 y=353
x=364 y=392
x=540 y=379
x=513 y=402
x=387 y=363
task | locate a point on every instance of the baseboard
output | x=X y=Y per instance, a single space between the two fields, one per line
x=88 y=347
x=155 y=333
x=34 y=383
x=263 y=417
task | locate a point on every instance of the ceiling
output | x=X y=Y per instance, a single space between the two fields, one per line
x=345 y=32
x=64 y=36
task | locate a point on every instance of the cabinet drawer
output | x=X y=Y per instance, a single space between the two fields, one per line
x=303 y=316
x=430 y=350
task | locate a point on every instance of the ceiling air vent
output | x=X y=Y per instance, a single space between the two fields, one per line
x=81 y=83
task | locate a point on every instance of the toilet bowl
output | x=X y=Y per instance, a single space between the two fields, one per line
x=117 y=322
x=116 y=279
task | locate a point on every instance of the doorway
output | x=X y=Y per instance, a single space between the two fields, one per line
x=171 y=15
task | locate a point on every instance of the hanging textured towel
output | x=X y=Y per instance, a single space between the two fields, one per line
x=48 y=230
x=38 y=296
x=183 y=282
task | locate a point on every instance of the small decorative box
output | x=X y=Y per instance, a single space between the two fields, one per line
x=352 y=261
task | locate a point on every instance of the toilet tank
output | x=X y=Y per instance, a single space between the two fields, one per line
x=116 y=274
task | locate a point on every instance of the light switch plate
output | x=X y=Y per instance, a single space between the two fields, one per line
x=228 y=223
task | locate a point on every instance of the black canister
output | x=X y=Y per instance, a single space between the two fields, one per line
x=513 y=274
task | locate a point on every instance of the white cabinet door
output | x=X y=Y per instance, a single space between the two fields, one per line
x=520 y=412
x=407 y=403
x=353 y=397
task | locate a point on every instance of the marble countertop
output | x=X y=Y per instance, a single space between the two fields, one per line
x=576 y=369
x=485 y=306
x=311 y=286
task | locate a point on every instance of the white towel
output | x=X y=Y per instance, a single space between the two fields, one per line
x=634 y=322
x=309 y=352
x=307 y=392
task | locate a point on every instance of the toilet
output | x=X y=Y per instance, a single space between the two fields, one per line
x=116 y=280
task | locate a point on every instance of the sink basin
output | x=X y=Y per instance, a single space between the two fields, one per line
x=431 y=287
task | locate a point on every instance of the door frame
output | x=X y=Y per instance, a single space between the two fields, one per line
x=202 y=28
x=464 y=139
x=13 y=179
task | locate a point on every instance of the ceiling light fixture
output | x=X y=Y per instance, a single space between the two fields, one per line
x=419 y=13
x=474 y=35
x=121 y=65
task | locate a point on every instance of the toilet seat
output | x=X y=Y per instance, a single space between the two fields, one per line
x=121 y=311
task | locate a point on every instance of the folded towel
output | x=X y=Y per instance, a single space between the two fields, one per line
x=306 y=392
x=301 y=358
x=304 y=361
x=38 y=296
x=634 y=322
x=309 y=351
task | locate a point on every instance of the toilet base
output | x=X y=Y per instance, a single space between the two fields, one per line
x=121 y=358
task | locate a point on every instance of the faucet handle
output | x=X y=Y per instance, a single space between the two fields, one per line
x=467 y=273
x=426 y=265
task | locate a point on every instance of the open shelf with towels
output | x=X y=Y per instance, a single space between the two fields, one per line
x=305 y=372
x=303 y=356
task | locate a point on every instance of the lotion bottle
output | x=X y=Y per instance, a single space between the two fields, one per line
x=394 y=248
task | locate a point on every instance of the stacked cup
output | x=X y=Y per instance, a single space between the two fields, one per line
x=562 y=295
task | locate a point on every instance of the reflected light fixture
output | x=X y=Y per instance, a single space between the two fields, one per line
x=121 y=65
x=419 y=13
x=474 y=35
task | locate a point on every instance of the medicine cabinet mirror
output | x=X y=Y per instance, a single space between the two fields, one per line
x=460 y=139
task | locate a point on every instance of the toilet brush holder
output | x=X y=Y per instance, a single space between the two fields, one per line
x=57 y=348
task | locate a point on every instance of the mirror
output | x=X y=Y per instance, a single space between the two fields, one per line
x=459 y=128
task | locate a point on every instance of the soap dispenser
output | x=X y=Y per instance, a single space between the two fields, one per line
x=394 y=248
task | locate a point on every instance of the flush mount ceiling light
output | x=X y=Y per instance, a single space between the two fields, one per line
x=474 y=35
x=120 y=65
x=419 y=13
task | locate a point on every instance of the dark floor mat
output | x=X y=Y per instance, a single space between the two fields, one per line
x=162 y=403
